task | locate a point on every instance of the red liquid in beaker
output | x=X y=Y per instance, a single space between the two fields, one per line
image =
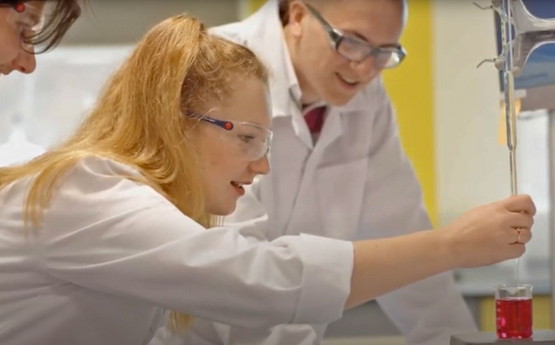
x=514 y=318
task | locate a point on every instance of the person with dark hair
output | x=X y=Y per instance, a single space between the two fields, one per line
x=24 y=25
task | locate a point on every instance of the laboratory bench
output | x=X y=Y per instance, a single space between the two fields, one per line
x=477 y=287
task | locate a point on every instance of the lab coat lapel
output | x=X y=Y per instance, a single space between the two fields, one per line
x=322 y=196
x=339 y=184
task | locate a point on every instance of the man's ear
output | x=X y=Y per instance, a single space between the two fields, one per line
x=296 y=14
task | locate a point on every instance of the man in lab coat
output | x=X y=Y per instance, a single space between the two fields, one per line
x=349 y=178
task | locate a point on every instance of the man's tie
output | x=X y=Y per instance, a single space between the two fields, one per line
x=315 y=119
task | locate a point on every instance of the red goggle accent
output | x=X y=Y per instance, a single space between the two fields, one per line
x=19 y=7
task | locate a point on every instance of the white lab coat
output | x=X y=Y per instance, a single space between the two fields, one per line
x=112 y=254
x=356 y=183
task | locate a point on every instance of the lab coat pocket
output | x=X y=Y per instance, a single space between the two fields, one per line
x=341 y=191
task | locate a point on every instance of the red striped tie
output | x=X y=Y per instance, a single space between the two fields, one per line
x=315 y=119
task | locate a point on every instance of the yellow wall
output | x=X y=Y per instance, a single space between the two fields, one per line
x=255 y=5
x=410 y=87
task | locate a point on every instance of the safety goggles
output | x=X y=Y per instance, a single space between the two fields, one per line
x=27 y=22
x=249 y=139
x=358 y=50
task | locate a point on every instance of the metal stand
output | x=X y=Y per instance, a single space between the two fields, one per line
x=530 y=33
x=551 y=150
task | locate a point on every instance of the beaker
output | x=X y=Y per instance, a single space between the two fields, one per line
x=513 y=311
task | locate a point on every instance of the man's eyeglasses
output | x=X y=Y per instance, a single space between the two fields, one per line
x=357 y=50
x=250 y=139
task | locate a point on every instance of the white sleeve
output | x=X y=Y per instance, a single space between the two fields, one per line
x=112 y=235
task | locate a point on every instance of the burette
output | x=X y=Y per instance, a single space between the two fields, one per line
x=509 y=88
x=505 y=64
x=509 y=93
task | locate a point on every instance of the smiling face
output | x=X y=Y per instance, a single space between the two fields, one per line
x=15 y=23
x=324 y=74
x=229 y=159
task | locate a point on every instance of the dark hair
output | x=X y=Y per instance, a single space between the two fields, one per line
x=284 y=12
x=63 y=16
